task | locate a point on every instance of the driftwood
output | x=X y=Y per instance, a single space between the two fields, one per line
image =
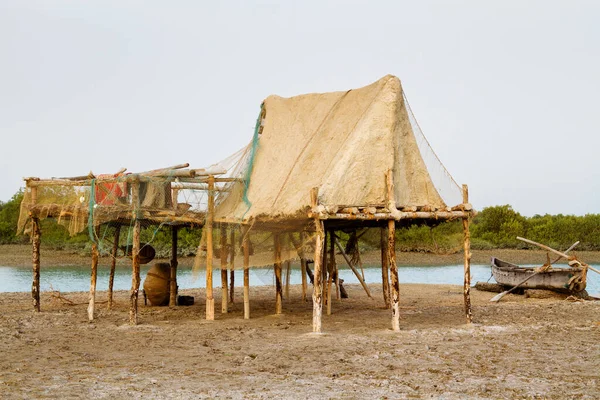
x=489 y=287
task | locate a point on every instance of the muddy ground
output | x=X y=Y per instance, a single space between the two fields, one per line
x=518 y=348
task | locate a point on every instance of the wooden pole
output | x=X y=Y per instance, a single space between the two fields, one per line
x=210 y=300
x=232 y=264
x=385 y=266
x=36 y=235
x=330 y=268
x=224 y=283
x=394 y=274
x=467 y=252
x=318 y=278
x=352 y=267
x=135 y=251
x=288 y=273
x=93 y=280
x=303 y=263
x=277 y=267
x=246 y=251
x=135 y=275
x=173 y=270
x=113 y=264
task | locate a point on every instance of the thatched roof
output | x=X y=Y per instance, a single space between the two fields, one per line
x=341 y=142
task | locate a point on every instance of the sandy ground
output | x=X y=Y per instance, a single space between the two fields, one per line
x=518 y=348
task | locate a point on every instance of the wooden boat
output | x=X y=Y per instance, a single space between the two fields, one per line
x=572 y=279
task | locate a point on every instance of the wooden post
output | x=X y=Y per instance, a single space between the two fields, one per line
x=232 y=264
x=210 y=300
x=224 y=285
x=277 y=267
x=394 y=273
x=93 y=280
x=173 y=271
x=135 y=252
x=385 y=266
x=246 y=251
x=330 y=268
x=36 y=235
x=318 y=278
x=288 y=273
x=303 y=265
x=135 y=275
x=467 y=251
x=113 y=264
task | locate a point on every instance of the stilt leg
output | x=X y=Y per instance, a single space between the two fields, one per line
x=246 y=250
x=173 y=271
x=210 y=300
x=318 y=277
x=232 y=264
x=113 y=264
x=394 y=275
x=467 y=251
x=385 y=266
x=93 y=279
x=35 y=240
x=224 y=285
x=135 y=274
x=277 y=267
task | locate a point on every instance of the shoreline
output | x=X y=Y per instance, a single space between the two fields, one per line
x=20 y=256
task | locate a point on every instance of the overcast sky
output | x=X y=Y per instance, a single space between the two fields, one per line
x=506 y=92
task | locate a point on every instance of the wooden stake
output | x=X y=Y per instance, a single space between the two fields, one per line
x=394 y=274
x=93 y=279
x=135 y=252
x=330 y=270
x=210 y=300
x=303 y=263
x=467 y=252
x=113 y=264
x=318 y=281
x=277 y=268
x=173 y=270
x=353 y=268
x=385 y=266
x=246 y=250
x=288 y=273
x=224 y=285
x=232 y=264
x=36 y=235
x=135 y=274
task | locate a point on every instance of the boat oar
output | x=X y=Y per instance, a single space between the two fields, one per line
x=554 y=251
x=497 y=297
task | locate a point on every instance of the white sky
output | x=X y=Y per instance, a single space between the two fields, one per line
x=506 y=92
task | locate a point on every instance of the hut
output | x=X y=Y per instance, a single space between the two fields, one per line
x=324 y=163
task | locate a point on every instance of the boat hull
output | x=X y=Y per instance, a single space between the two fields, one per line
x=557 y=279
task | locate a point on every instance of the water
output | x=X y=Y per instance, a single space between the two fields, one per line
x=77 y=278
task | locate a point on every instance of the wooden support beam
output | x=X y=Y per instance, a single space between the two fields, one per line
x=36 y=235
x=246 y=251
x=93 y=280
x=353 y=268
x=288 y=273
x=113 y=264
x=210 y=300
x=277 y=268
x=467 y=254
x=173 y=269
x=224 y=285
x=232 y=264
x=135 y=252
x=318 y=281
x=303 y=263
x=394 y=275
x=385 y=267
x=330 y=269
x=135 y=274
